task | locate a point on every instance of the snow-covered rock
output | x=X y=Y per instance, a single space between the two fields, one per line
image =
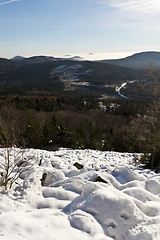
x=109 y=198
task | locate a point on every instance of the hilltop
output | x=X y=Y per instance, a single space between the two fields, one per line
x=141 y=60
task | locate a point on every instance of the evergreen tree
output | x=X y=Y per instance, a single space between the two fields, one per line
x=32 y=134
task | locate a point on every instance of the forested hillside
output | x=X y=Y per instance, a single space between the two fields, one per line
x=76 y=122
x=58 y=76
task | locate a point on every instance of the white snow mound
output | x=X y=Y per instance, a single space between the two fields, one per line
x=109 y=198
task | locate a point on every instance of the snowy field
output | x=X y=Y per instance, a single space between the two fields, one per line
x=109 y=198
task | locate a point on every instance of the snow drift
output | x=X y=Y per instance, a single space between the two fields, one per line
x=108 y=197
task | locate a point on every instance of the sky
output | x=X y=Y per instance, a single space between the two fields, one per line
x=92 y=29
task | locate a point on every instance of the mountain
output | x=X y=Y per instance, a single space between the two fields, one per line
x=141 y=60
x=67 y=76
x=17 y=58
x=76 y=58
x=32 y=60
x=6 y=65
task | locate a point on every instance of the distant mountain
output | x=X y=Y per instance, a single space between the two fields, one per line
x=77 y=76
x=72 y=58
x=76 y=58
x=17 y=58
x=33 y=60
x=141 y=60
x=56 y=75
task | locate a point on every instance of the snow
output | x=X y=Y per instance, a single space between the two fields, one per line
x=109 y=198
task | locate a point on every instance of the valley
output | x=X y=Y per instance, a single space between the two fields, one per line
x=63 y=76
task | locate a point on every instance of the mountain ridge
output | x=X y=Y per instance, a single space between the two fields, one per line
x=141 y=60
x=92 y=78
x=40 y=73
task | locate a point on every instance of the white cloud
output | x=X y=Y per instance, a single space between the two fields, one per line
x=9 y=2
x=125 y=13
x=137 y=6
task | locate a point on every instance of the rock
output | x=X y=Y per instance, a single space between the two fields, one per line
x=78 y=165
x=99 y=179
x=43 y=178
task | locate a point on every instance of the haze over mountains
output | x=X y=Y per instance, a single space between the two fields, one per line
x=139 y=60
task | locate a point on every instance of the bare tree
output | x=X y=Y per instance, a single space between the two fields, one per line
x=147 y=127
x=12 y=161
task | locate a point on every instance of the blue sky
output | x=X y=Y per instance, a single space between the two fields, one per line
x=105 y=28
